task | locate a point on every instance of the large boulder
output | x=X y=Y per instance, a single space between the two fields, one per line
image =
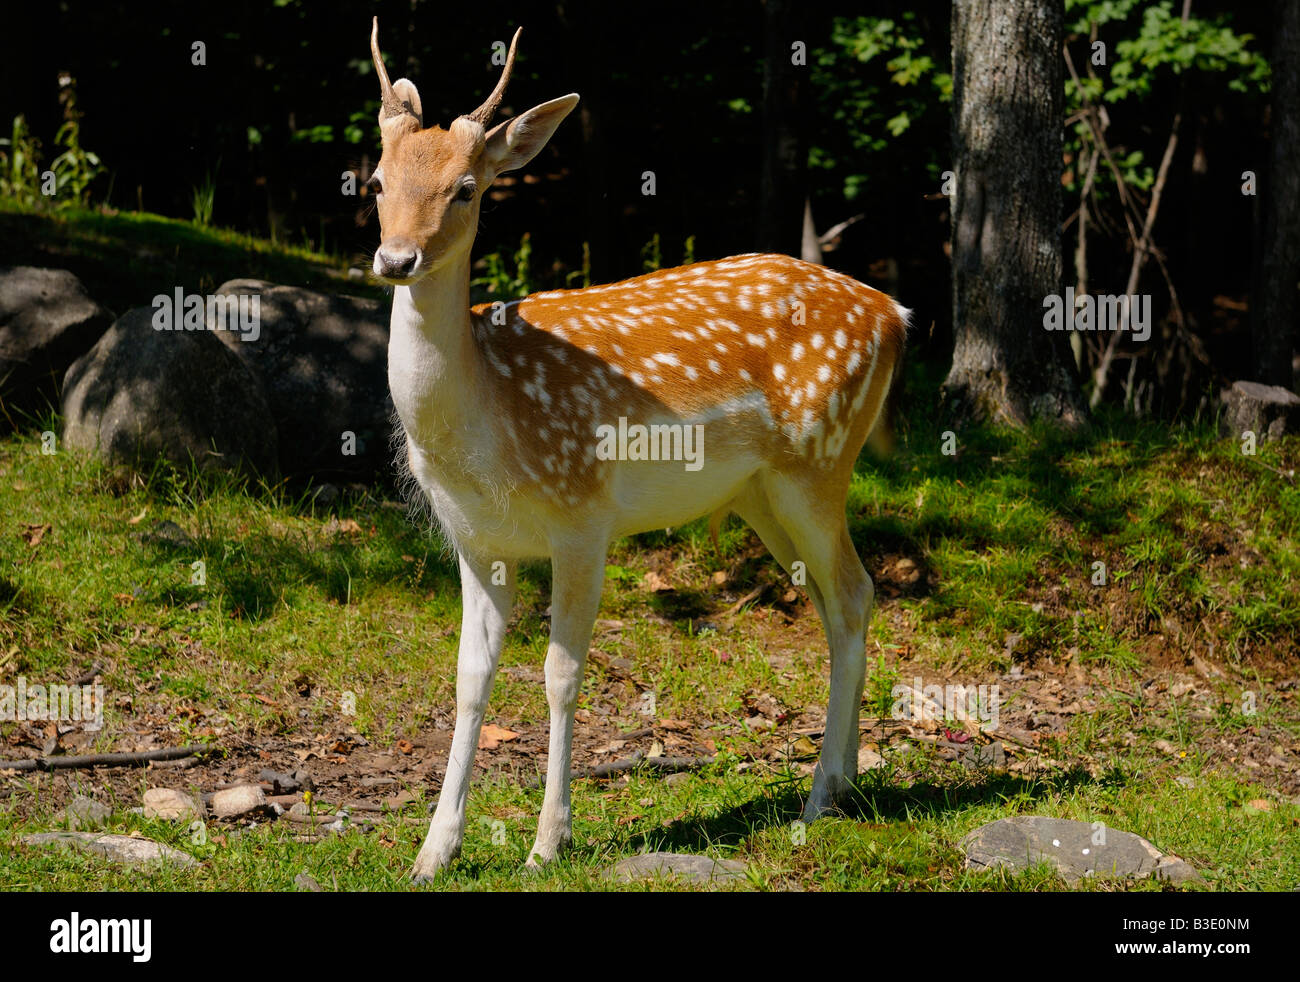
x=1268 y=411
x=142 y=394
x=47 y=321
x=323 y=361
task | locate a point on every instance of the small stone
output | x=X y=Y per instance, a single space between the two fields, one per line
x=171 y=805
x=689 y=867
x=1076 y=849
x=238 y=801
x=305 y=881
x=679 y=778
x=118 y=848
x=869 y=760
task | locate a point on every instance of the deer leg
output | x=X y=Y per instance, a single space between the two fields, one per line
x=484 y=614
x=578 y=572
x=820 y=539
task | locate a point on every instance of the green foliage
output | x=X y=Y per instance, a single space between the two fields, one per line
x=501 y=280
x=1148 y=54
x=76 y=167
x=203 y=197
x=20 y=165
x=876 y=80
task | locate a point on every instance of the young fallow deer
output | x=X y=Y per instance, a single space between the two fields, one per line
x=781 y=365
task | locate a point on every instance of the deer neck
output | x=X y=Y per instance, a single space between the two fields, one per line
x=434 y=365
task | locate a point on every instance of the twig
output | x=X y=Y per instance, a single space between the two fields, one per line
x=107 y=760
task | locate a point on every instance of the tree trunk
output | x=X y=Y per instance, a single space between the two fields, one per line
x=784 y=150
x=1276 y=304
x=1008 y=114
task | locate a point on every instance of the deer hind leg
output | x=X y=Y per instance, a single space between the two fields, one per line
x=818 y=532
x=485 y=611
x=578 y=571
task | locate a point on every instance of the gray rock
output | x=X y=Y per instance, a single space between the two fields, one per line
x=686 y=866
x=323 y=361
x=47 y=321
x=170 y=805
x=1076 y=849
x=246 y=799
x=1268 y=411
x=118 y=848
x=84 y=813
x=142 y=394
x=306 y=882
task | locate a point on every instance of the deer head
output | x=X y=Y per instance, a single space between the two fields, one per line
x=430 y=181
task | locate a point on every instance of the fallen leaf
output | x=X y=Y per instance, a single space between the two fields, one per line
x=405 y=747
x=138 y=518
x=1260 y=804
x=492 y=736
x=673 y=724
x=34 y=534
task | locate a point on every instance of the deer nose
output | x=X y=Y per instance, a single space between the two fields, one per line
x=396 y=262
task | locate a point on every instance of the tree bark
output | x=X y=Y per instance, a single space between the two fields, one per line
x=1008 y=114
x=784 y=147
x=1275 y=309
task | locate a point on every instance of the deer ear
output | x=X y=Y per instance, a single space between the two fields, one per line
x=409 y=96
x=512 y=144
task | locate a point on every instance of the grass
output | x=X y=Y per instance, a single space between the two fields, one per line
x=1144 y=578
x=1199 y=547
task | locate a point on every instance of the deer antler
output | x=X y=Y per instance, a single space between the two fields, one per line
x=392 y=106
x=483 y=114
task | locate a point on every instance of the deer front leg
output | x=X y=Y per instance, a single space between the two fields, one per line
x=485 y=612
x=578 y=570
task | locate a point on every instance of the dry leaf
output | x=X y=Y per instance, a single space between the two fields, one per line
x=1260 y=804
x=492 y=736
x=138 y=518
x=33 y=534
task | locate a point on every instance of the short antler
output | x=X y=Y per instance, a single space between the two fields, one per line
x=392 y=106
x=484 y=113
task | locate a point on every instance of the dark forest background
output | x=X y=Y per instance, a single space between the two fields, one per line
x=287 y=101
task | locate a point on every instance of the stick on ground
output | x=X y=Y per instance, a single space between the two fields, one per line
x=107 y=760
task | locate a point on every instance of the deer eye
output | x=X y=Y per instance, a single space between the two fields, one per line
x=466 y=191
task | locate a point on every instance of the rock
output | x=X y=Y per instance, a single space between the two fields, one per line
x=677 y=778
x=139 y=395
x=173 y=806
x=305 y=881
x=992 y=756
x=1268 y=411
x=323 y=361
x=689 y=867
x=47 y=321
x=238 y=802
x=286 y=783
x=84 y=813
x=1076 y=849
x=869 y=760
x=118 y=848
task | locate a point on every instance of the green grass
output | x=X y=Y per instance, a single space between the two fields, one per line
x=985 y=561
x=1006 y=534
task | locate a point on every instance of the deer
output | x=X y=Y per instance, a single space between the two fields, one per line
x=504 y=414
